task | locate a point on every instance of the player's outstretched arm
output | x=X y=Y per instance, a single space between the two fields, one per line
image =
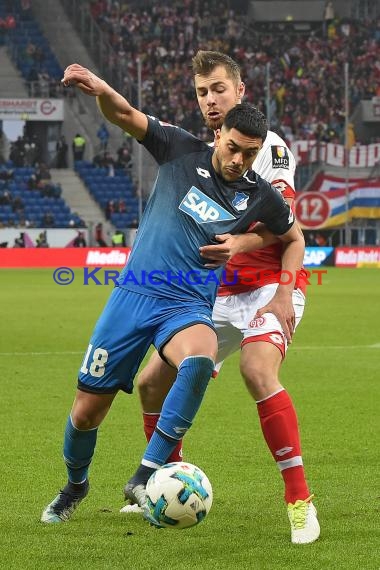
x=114 y=106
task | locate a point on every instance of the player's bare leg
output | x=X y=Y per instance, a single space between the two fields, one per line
x=154 y=382
x=87 y=413
x=260 y=364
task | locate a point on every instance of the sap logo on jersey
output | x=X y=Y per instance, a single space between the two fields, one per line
x=202 y=208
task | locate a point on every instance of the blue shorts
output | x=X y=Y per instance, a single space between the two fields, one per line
x=129 y=324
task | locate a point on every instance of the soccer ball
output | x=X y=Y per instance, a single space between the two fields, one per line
x=179 y=495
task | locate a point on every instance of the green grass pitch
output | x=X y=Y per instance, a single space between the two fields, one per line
x=331 y=371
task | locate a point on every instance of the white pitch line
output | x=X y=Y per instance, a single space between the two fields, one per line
x=327 y=347
x=38 y=353
x=331 y=347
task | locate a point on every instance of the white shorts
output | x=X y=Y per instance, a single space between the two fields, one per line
x=233 y=317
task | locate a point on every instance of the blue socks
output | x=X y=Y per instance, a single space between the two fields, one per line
x=78 y=449
x=178 y=412
x=179 y=409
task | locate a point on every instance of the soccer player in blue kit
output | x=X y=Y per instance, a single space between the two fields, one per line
x=165 y=294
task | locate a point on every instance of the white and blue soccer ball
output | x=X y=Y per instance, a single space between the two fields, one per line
x=179 y=495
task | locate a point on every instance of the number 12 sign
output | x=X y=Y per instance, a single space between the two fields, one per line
x=312 y=209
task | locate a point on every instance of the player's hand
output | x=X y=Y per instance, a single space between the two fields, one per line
x=83 y=78
x=281 y=305
x=221 y=253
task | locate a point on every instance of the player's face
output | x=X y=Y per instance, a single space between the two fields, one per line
x=234 y=153
x=217 y=94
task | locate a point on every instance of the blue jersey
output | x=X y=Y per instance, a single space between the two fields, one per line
x=190 y=203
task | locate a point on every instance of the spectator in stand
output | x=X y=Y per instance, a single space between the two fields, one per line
x=17 y=152
x=43 y=173
x=32 y=150
x=124 y=159
x=2 y=140
x=31 y=80
x=110 y=209
x=98 y=160
x=134 y=224
x=30 y=223
x=328 y=17
x=26 y=10
x=310 y=239
x=109 y=163
x=8 y=23
x=99 y=238
x=78 y=146
x=118 y=239
x=103 y=136
x=20 y=241
x=48 y=220
x=76 y=221
x=41 y=241
x=80 y=240
x=5 y=198
x=32 y=182
x=122 y=206
x=61 y=152
x=6 y=173
x=18 y=205
x=104 y=160
x=29 y=52
x=320 y=240
x=43 y=84
x=49 y=190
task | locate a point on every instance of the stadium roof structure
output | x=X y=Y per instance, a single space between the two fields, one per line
x=293 y=10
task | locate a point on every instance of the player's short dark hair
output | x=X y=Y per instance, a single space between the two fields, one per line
x=204 y=62
x=248 y=120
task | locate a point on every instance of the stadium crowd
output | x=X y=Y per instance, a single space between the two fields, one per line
x=307 y=78
x=306 y=70
x=28 y=196
x=30 y=50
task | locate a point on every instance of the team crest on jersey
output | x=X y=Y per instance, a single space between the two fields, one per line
x=280 y=157
x=240 y=202
x=202 y=208
x=257 y=323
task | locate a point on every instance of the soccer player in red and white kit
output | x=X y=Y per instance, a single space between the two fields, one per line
x=249 y=313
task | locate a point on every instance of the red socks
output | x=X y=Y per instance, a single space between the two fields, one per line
x=150 y=422
x=280 y=429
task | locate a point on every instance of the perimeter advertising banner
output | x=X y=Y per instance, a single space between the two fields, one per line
x=317 y=256
x=357 y=257
x=63 y=256
x=32 y=109
x=105 y=257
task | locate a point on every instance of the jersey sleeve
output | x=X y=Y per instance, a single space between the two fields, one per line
x=166 y=142
x=276 y=214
